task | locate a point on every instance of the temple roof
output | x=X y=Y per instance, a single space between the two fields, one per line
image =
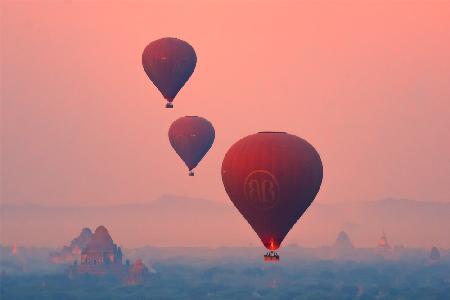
x=383 y=242
x=101 y=241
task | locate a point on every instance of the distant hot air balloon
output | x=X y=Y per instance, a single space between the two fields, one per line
x=191 y=137
x=169 y=62
x=272 y=178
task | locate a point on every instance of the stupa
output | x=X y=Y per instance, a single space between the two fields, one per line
x=383 y=243
x=435 y=255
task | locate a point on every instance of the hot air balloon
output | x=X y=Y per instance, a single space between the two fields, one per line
x=191 y=137
x=169 y=62
x=272 y=178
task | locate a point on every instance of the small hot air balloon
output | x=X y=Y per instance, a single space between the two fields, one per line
x=191 y=137
x=272 y=178
x=169 y=62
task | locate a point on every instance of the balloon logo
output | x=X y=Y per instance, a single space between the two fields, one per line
x=169 y=62
x=261 y=189
x=272 y=178
x=191 y=137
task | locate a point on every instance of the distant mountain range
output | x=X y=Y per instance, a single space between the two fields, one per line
x=180 y=221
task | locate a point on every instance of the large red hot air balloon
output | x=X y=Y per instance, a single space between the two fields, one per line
x=272 y=178
x=169 y=62
x=191 y=137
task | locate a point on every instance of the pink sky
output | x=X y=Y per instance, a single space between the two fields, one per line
x=366 y=82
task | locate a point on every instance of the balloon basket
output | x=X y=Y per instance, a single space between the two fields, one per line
x=271 y=257
x=191 y=173
x=169 y=105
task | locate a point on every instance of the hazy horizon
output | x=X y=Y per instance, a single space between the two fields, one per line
x=214 y=224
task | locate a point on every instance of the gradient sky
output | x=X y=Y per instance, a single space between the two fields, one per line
x=366 y=82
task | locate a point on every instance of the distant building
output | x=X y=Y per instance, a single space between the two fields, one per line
x=342 y=247
x=435 y=255
x=79 y=243
x=69 y=254
x=137 y=273
x=385 y=250
x=102 y=257
x=383 y=243
x=101 y=249
x=343 y=242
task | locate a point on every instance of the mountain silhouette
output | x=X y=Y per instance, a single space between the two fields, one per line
x=181 y=221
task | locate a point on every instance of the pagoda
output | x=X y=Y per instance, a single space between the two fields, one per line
x=101 y=257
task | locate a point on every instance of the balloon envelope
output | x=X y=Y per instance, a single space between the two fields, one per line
x=191 y=137
x=169 y=62
x=272 y=178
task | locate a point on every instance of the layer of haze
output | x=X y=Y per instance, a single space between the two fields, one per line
x=367 y=83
